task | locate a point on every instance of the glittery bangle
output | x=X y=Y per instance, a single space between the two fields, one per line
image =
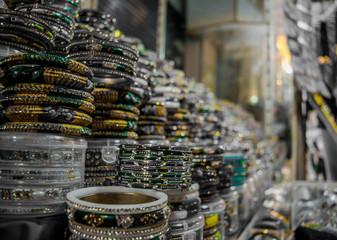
x=112 y=65
x=146 y=151
x=111 y=134
x=154 y=186
x=20 y=46
x=117 y=221
x=36 y=88
x=31 y=194
x=165 y=149
x=113 y=96
x=64 y=129
x=146 y=174
x=13 y=38
x=155 y=110
x=121 y=84
x=111 y=73
x=153 y=157
x=45 y=75
x=44 y=99
x=167 y=169
x=36 y=113
x=119 y=125
x=100 y=56
x=110 y=106
x=137 y=232
x=46 y=60
x=116 y=114
x=109 y=47
x=150 y=163
x=151 y=129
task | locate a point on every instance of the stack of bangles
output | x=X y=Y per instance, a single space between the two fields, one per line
x=46 y=93
x=25 y=32
x=152 y=121
x=61 y=21
x=118 y=213
x=113 y=65
x=156 y=167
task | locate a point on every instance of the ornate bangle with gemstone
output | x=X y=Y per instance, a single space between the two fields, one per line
x=36 y=113
x=113 y=96
x=46 y=60
x=45 y=75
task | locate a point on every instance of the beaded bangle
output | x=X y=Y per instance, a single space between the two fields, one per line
x=110 y=106
x=113 y=96
x=153 y=157
x=36 y=113
x=46 y=60
x=166 y=169
x=111 y=134
x=129 y=233
x=102 y=46
x=64 y=129
x=44 y=99
x=113 y=83
x=154 y=180
x=35 y=88
x=152 y=137
x=111 y=73
x=165 y=149
x=13 y=38
x=19 y=46
x=45 y=75
x=146 y=174
x=154 y=186
x=47 y=194
x=155 y=110
x=112 y=64
x=116 y=114
x=119 y=125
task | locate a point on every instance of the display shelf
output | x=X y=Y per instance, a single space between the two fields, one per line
x=325 y=114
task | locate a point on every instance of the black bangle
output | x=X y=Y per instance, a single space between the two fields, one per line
x=19 y=46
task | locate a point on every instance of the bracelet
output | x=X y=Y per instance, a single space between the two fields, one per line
x=155 y=186
x=151 y=139
x=36 y=113
x=116 y=114
x=146 y=174
x=113 y=83
x=22 y=47
x=44 y=209
x=151 y=130
x=110 y=106
x=110 y=73
x=13 y=38
x=113 y=96
x=179 y=116
x=36 y=88
x=129 y=232
x=155 y=110
x=156 y=158
x=117 y=221
x=100 y=56
x=152 y=118
x=41 y=176
x=110 y=134
x=178 y=134
x=148 y=151
x=131 y=162
x=119 y=125
x=175 y=127
x=166 y=149
x=25 y=19
x=102 y=46
x=64 y=129
x=47 y=194
x=46 y=60
x=40 y=157
x=167 y=169
x=44 y=99
x=45 y=75
x=99 y=181
x=121 y=200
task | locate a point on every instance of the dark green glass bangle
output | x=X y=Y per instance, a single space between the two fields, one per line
x=46 y=60
x=110 y=106
x=44 y=75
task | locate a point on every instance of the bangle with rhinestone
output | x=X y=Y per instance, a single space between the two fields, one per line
x=110 y=106
x=116 y=114
x=119 y=125
x=112 y=134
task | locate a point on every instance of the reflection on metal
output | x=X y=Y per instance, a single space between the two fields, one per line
x=161 y=29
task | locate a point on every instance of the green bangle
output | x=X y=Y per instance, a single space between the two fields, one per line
x=110 y=106
x=46 y=60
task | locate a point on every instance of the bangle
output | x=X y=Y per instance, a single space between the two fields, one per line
x=30 y=194
x=99 y=181
x=174 y=127
x=36 y=88
x=113 y=96
x=45 y=75
x=12 y=37
x=111 y=73
x=154 y=186
x=177 y=133
x=151 y=129
x=103 y=46
x=167 y=169
x=152 y=118
x=116 y=114
x=151 y=139
x=44 y=99
x=119 y=125
x=64 y=129
x=46 y=60
x=155 y=110
x=150 y=163
x=179 y=116
x=36 y=113
x=116 y=200
x=146 y=174
x=155 y=158
x=122 y=107
x=113 y=83
x=22 y=47
x=100 y=56
x=111 y=134
x=129 y=233
x=34 y=210
x=165 y=149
